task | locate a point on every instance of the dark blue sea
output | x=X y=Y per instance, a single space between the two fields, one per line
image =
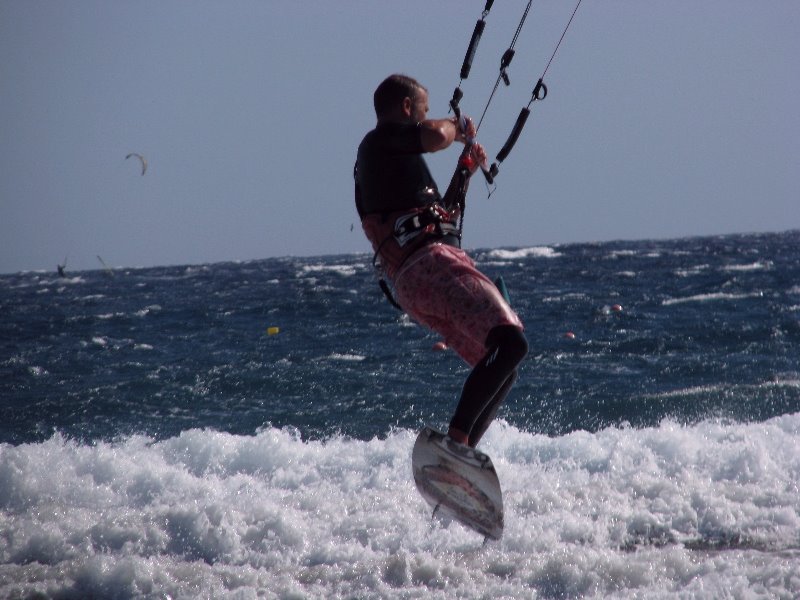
x=244 y=430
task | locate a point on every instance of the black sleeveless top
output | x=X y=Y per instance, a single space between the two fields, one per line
x=391 y=174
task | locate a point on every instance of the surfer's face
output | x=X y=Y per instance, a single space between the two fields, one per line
x=417 y=107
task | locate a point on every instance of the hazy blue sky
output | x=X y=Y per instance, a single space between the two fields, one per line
x=664 y=119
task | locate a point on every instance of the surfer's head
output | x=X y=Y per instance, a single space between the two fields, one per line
x=400 y=97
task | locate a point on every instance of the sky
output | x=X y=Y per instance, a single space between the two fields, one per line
x=663 y=120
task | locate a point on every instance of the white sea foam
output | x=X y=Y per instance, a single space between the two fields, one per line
x=710 y=297
x=147 y=310
x=107 y=316
x=346 y=357
x=566 y=297
x=536 y=251
x=779 y=381
x=672 y=511
x=340 y=269
x=756 y=266
x=696 y=270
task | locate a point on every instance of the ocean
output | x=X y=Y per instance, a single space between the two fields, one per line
x=244 y=430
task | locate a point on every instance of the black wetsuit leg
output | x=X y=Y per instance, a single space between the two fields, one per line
x=489 y=413
x=490 y=381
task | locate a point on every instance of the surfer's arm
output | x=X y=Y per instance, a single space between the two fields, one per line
x=438 y=134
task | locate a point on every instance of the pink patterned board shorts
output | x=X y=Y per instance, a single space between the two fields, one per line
x=440 y=288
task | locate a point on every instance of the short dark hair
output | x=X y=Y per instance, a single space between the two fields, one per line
x=391 y=92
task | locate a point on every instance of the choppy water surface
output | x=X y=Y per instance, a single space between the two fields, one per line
x=156 y=442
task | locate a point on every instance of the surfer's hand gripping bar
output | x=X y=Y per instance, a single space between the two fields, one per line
x=469 y=140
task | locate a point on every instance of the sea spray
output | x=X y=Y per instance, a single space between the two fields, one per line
x=623 y=511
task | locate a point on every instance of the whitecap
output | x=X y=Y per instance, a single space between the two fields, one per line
x=147 y=310
x=536 y=252
x=691 y=271
x=622 y=254
x=346 y=270
x=623 y=512
x=710 y=297
x=346 y=357
x=570 y=296
x=756 y=266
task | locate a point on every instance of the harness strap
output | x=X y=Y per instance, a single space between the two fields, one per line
x=407 y=228
x=388 y=293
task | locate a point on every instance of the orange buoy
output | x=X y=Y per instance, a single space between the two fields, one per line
x=439 y=346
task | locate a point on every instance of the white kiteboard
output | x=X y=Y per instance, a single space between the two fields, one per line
x=458 y=481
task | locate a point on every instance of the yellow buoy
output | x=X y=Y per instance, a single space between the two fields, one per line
x=272 y=330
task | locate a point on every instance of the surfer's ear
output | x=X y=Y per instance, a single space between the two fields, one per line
x=407 y=106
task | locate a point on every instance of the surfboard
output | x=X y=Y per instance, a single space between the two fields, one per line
x=458 y=481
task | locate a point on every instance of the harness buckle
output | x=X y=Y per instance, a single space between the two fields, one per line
x=408 y=227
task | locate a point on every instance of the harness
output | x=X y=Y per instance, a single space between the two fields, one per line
x=396 y=236
x=408 y=227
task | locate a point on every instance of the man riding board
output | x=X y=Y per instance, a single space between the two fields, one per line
x=415 y=234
